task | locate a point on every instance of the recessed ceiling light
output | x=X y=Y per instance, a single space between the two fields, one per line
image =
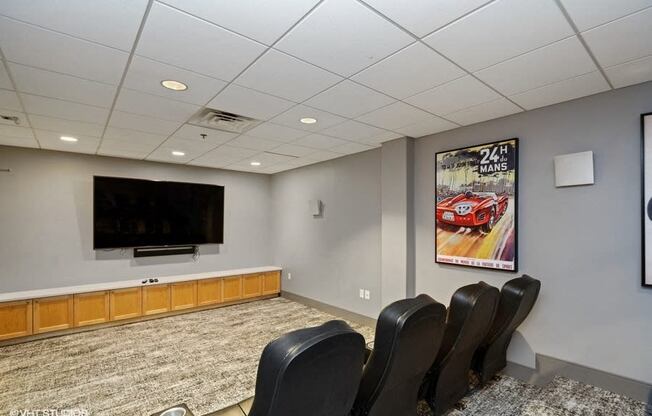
x=69 y=139
x=177 y=153
x=308 y=120
x=174 y=85
x=255 y=163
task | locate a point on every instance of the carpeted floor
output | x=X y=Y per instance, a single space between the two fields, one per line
x=206 y=359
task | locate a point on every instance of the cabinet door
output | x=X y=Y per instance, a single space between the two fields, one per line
x=183 y=295
x=126 y=303
x=156 y=299
x=252 y=285
x=15 y=319
x=53 y=314
x=91 y=308
x=271 y=283
x=209 y=291
x=231 y=288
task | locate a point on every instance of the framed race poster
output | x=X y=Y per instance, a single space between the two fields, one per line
x=476 y=206
x=646 y=197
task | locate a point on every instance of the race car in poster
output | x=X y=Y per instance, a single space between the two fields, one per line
x=473 y=209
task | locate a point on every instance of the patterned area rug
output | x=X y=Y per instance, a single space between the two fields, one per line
x=206 y=359
x=506 y=396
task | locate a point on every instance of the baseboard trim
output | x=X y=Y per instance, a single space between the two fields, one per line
x=548 y=368
x=330 y=309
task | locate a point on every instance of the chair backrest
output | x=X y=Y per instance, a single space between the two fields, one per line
x=313 y=371
x=470 y=315
x=408 y=335
x=517 y=298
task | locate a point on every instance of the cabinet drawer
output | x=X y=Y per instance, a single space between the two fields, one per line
x=209 y=292
x=53 y=314
x=252 y=285
x=15 y=319
x=91 y=308
x=231 y=288
x=183 y=295
x=156 y=299
x=126 y=303
x=271 y=283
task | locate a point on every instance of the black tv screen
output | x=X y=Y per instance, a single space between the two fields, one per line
x=143 y=213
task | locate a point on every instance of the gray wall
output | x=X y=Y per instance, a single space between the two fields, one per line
x=46 y=221
x=584 y=243
x=332 y=257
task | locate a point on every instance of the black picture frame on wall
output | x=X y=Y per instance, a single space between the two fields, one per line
x=484 y=175
x=646 y=199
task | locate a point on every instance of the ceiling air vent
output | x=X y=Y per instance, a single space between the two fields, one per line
x=221 y=120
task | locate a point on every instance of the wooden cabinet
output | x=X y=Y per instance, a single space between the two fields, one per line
x=231 y=288
x=209 y=291
x=91 y=308
x=126 y=303
x=156 y=299
x=183 y=295
x=271 y=283
x=252 y=285
x=15 y=319
x=53 y=314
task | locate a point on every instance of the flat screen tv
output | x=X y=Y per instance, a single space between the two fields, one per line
x=143 y=213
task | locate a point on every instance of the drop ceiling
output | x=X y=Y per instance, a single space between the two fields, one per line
x=368 y=71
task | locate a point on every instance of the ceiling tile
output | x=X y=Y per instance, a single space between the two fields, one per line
x=268 y=159
x=253 y=143
x=133 y=139
x=250 y=103
x=146 y=75
x=319 y=141
x=556 y=62
x=350 y=148
x=110 y=22
x=143 y=123
x=276 y=132
x=349 y=99
x=125 y=154
x=22 y=118
x=66 y=126
x=292 y=117
x=355 y=131
x=7 y=130
x=195 y=44
x=5 y=82
x=321 y=156
x=409 y=71
x=30 y=45
x=453 y=96
x=590 y=13
x=430 y=125
x=64 y=87
x=293 y=150
x=622 y=40
x=483 y=112
x=284 y=76
x=144 y=104
x=18 y=141
x=343 y=36
x=52 y=141
x=394 y=116
x=164 y=154
x=569 y=89
x=281 y=167
x=212 y=136
x=630 y=73
x=222 y=156
x=499 y=31
x=262 y=20
x=66 y=110
x=424 y=16
x=9 y=101
x=140 y=147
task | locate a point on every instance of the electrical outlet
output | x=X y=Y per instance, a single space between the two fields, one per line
x=361 y=293
x=289 y=276
x=367 y=295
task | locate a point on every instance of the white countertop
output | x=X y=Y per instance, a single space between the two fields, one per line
x=96 y=287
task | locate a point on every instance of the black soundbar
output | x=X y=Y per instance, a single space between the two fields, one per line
x=163 y=251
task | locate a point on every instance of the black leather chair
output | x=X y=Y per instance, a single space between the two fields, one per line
x=470 y=315
x=313 y=371
x=408 y=335
x=517 y=298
